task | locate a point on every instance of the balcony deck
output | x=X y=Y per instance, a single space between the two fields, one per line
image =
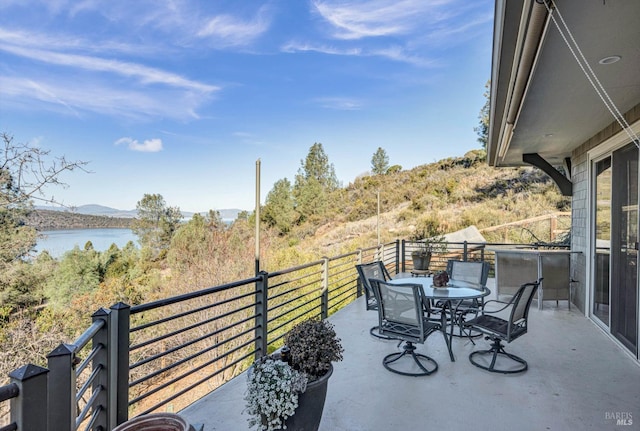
x=578 y=379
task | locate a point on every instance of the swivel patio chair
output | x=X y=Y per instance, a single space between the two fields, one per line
x=475 y=275
x=367 y=271
x=401 y=316
x=498 y=329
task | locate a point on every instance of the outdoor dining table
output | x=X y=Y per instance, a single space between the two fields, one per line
x=451 y=296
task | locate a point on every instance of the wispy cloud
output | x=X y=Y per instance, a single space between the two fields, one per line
x=371 y=18
x=148 y=146
x=63 y=42
x=144 y=74
x=394 y=52
x=407 y=31
x=293 y=47
x=340 y=103
x=230 y=31
x=67 y=96
x=80 y=82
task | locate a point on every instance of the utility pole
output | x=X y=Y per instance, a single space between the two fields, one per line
x=257 y=213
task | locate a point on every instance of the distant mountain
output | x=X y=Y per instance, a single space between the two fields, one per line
x=101 y=210
x=93 y=209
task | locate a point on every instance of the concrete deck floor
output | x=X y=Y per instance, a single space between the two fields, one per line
x=578 y=379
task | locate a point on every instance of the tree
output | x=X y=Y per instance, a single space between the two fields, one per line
x=156 y=222
x=26 y=172
x=314 y=180
x=380 y=162
x=483 y=127
x=79 y=272
x=278 y=210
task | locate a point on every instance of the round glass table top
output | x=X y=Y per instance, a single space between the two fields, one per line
x=454 y=289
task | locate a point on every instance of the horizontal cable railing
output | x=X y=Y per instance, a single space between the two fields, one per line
x=472 y=251
x=183 y=347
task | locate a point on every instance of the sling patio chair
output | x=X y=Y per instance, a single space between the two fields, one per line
x=401 y=316
x=473 y=274
x=498 y=330
x=367 y=271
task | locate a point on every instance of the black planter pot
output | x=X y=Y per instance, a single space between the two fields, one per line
x=421 y=261
x=310 y=405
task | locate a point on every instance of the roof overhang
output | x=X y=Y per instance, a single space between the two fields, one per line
x=541 y=101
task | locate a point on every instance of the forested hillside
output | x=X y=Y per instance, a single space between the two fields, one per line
x=451 y=194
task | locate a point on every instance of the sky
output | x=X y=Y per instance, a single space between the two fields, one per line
x=182 y=97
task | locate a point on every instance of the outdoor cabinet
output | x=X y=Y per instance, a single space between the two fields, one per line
x=517 y=266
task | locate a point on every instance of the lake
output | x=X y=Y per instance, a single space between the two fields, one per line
x=57 y=242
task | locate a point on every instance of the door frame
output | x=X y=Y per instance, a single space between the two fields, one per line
x=604 y=149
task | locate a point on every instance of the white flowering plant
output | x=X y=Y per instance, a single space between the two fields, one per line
x=272 y=393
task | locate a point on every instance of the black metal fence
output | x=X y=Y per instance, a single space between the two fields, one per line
x=164 y=355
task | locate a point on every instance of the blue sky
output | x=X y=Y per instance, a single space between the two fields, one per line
x=181 y=98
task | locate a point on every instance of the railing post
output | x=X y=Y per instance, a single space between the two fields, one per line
x=119 y=325
x=465 y=249
x=62 y=410
x=29 y=408
x=359 y=291
x=324 y=298
x=101 y=362
x=262 y=289
x=403 y=252
x=397 y=256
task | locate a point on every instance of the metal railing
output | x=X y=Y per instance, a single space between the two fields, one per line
x=164 y=355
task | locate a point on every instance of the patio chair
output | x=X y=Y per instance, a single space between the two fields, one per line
x=475 y=274
x=367 y=271
x=401 y=316
x=498 y=329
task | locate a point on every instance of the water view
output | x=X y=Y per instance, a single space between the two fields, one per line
x=57 y=242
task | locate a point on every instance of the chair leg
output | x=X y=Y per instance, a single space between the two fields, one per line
x=465 y=331
x=497 y=348
x=409 y=350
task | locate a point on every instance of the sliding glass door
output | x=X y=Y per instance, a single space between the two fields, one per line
x=602 y=248
x=624 y=247
x=615 y=246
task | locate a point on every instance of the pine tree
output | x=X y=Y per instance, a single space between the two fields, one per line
x=379 y=162
x=483 y=127
x=278 y=210
x=315 y=179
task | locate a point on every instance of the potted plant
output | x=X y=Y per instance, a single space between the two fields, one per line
x=288 y=389
x=429 y=240
x=441 y=279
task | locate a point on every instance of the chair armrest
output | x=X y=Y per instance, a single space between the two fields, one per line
x=506 y=304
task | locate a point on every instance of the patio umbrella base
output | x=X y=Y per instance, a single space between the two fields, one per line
x=423 y=361
x=497 y=351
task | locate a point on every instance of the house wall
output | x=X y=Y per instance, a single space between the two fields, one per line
x=580 y=206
